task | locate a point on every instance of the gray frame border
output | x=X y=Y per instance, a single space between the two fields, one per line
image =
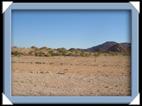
x=71 y=99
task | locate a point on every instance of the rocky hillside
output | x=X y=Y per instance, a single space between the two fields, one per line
x=111 y=47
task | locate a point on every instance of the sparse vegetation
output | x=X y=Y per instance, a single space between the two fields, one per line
x=16 y=53
x=47 y=52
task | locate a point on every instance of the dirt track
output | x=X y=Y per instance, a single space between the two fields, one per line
x=71 y=76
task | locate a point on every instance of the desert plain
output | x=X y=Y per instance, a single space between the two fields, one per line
x=71 y=76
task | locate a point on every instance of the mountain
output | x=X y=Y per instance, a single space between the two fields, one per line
x=120 y=48
x=126 y=45
x=102 y=47
x=111 y=46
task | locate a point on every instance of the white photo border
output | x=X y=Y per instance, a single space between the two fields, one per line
x=71 y=99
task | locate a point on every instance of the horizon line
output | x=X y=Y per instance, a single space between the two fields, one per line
x=65 y=47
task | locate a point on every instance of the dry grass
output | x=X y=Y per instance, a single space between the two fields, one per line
x=71 y=76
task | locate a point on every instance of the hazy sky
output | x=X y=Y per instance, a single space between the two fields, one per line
x=69 y=29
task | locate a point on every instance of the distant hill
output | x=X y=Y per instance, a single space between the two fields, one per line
x=126 y=45
x=119 y=48
x=111 y=46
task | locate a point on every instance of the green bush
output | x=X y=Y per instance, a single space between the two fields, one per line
x=62 y=51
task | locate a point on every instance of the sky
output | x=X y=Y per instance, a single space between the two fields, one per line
x=69 y=29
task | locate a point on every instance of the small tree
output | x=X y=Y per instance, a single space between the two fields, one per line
x=33 y=47
x=62 y=51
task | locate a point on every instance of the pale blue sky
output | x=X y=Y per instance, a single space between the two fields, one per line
x=69 y=29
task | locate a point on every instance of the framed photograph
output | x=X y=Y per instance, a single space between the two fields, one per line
x=71 y=53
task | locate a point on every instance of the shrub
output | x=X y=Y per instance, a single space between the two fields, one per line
x=47 y=55
x=68 y=53
x=72 y=49
x=43 y=48
x=31 y=53
x=55 y=53
x=39 y=53
x=82 y=54
x=16 y=53
x=77 y=52
x=62 y=51
x=33 y=47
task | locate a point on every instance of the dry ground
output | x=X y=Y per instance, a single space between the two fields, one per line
x=71 y=76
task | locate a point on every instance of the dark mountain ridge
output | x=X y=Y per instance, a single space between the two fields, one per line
x=111 y=46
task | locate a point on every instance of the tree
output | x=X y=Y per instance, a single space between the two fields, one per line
x=34 y=47
x=62 y=51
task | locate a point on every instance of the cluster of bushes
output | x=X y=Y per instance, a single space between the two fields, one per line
x=47 y=52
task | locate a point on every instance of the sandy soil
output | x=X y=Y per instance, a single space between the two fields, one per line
x=71 y=76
